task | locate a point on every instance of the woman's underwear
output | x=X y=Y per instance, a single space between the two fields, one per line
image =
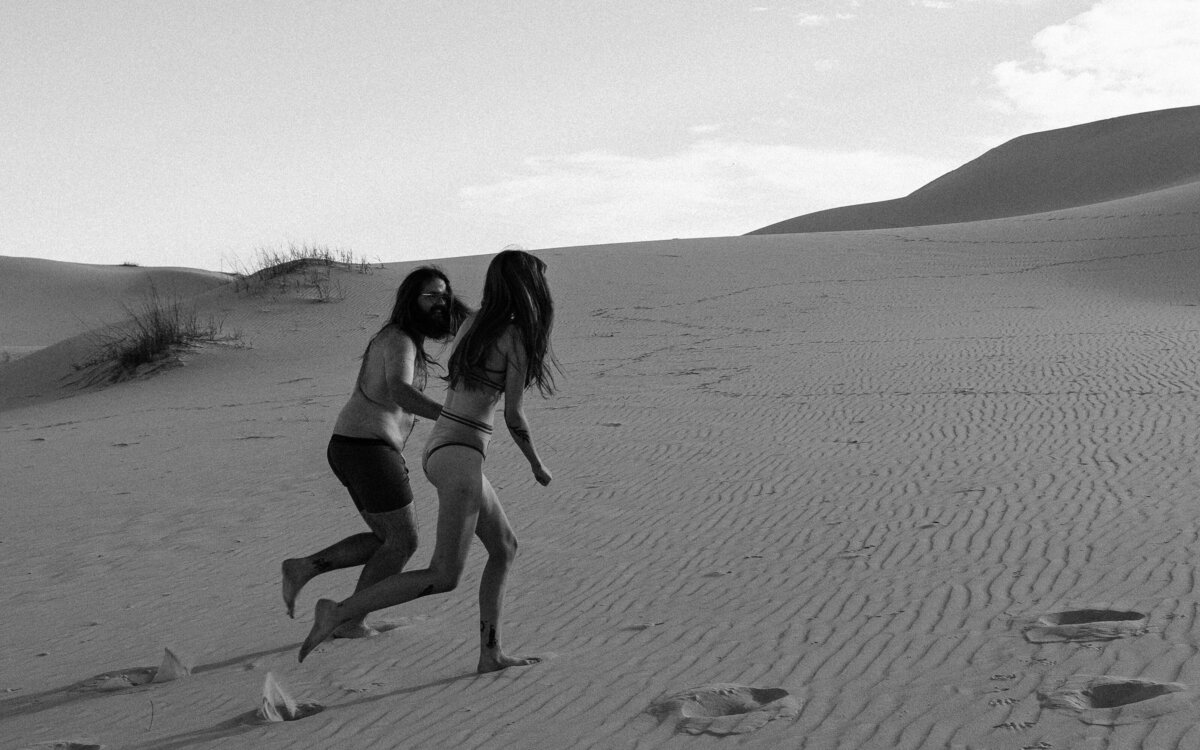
x=455 y=429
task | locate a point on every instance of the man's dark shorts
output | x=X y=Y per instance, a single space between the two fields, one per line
x=372 y=470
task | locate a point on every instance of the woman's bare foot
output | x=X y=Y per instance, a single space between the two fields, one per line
x=495 y=661
x=354 y=630
x=325 y=621
x=296 y=573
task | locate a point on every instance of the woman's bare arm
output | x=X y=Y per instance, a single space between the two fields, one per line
x=514 y=412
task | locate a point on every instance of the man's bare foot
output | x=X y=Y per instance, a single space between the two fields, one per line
x=296 y=573
x=325 y=621
x=495 y=661
x=354 y=630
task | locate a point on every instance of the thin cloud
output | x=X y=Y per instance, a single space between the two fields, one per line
x=711 y=188
x=953 y=3
x=1119 y=57
x=811 y=19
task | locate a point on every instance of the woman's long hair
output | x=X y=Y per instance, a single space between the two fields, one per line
x=407 y=316
x=515 y=293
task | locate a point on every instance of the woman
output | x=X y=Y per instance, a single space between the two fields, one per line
x=500 y=351
x=366 y=450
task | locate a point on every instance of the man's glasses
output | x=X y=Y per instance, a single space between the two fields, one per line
x=434 y=296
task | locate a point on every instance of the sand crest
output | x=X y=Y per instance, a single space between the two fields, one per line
x=279 y=705
x=173 y=667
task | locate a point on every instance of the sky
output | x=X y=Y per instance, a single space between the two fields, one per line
x=199 y=134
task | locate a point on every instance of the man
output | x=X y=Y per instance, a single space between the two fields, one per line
x=366 y=450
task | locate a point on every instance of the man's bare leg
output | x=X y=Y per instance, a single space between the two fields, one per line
x=398 y=530
x=496 y=533
x=458 y=511
x=329 y=615
x=351 y=551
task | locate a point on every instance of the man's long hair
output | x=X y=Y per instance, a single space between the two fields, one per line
x=407 y=316
x=514 y=293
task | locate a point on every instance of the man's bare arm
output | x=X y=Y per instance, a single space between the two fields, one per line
x=400 y=360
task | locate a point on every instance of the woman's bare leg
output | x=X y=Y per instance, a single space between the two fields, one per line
x=456 y=472
x=496 y=533
x=398 y=530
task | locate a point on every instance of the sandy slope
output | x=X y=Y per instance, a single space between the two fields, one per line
x=851 y=466
x=53 y=315
x=45 y=301
x=1064 y=168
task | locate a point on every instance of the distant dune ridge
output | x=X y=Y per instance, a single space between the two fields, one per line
x=914 y=488
x=44 y=301
x=1048 y=171
x=49 y=310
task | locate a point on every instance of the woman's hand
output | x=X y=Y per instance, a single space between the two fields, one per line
x=542 y=474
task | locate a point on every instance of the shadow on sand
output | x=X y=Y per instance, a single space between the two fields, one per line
x=117 y=681
x=251 y=720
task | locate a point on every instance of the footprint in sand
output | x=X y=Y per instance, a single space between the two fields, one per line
x=725 y=708
x=172 y=668
x=373 y=629
x=384 y=626
x=121 y=679
x=1086 y=625
x=1111 y=701
x=64 y=745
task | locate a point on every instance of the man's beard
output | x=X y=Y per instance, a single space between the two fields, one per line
x=435 y=324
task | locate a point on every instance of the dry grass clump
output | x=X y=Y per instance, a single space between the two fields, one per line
x=298 y=268
x=151 y=339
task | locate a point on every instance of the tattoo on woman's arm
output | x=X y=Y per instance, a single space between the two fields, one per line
x=520 y=433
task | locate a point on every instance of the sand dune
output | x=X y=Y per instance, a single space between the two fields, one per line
x=837 y=490
x=51 y=312
x=45 y=301
x=1057 y=169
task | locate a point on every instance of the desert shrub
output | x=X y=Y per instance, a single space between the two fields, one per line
x=296 y=268
x=156 y=329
